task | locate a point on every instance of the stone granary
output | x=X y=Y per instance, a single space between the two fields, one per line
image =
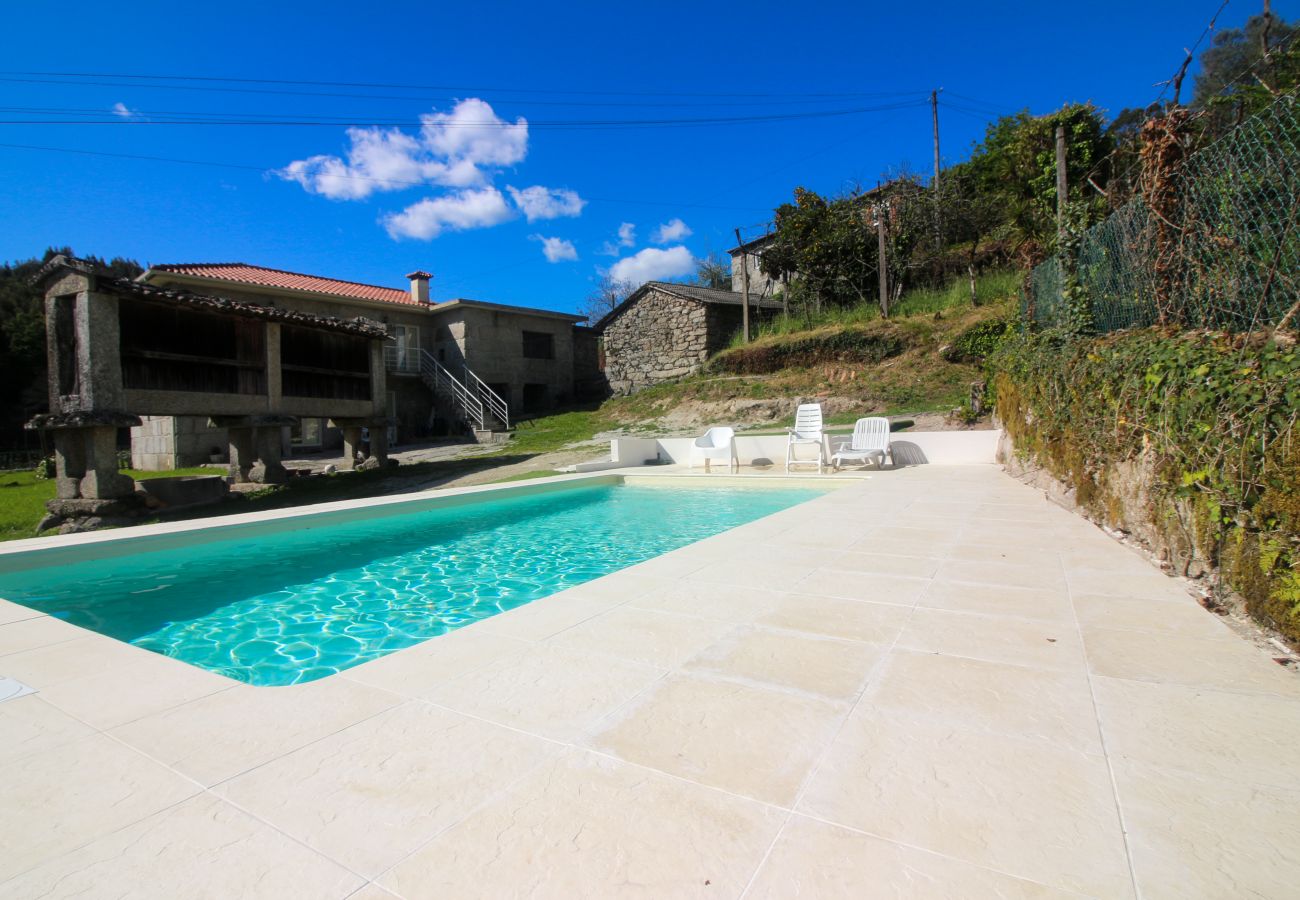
x=667 y=330
x=120 y=349
x=453 y=365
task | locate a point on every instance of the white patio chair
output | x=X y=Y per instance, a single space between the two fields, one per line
x=870 y=443
x=807 y=430
x=716 y=443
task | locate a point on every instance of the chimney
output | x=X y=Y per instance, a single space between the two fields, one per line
x=420 y=286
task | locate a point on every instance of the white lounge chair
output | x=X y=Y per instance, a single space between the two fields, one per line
x=870 y=443
x=716 y=443
x=807 y=430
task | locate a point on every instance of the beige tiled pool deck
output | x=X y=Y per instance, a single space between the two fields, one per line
x=929 y=683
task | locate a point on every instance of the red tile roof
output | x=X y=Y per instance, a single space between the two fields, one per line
x=257 y=275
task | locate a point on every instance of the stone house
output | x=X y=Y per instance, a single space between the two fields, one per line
x=666 y=331
x=750 y=256
x=512 y=361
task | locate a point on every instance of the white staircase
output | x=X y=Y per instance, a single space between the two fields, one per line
x=471 y=401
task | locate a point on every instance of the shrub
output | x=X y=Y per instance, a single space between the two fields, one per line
x=848 y=345
x=979 y=341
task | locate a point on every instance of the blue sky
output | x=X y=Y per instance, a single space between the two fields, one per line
x=531 y=207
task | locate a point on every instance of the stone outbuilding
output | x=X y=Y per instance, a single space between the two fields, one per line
x=667 y=330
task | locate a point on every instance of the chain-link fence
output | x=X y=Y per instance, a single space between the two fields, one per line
x=1227 y=256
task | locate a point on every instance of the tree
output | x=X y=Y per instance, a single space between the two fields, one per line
x=713 y=271
x=608 y=293
x=830 y=243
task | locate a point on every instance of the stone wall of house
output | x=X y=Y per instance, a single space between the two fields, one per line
x=163 y=443
x=657 y=337
x=761 y=286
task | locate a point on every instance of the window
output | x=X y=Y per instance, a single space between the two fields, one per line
x=404 y=352
x=539 y=345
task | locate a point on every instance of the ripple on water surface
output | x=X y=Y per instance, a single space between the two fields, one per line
x=299 y=605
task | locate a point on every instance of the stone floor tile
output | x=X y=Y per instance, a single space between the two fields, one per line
x=201 y=848
x=627 y=586
x=1205 y=837
x=873 y=587
x=549 y=691
x=1047 y=578
x=1245 y=737
x=16 y=612
x=973 y=550
x=1220 y=663
x=592 y=827
x=221 y=735
x=141 y=687
x=1034 y=810
x=727 y=603
x=56 y=801
x=542 y=618
x=854 y=620
x=1184 y=616
x=369 y=795
x=719 y=733
x=414 y=671
x=1023 y=642
x=54 y=664
x=1128 y=579
x=30 y=725
x=36 y=632
x=754 y=573
x=1013 y=700
x=886 y=564
x=817 y=859
x=834 y=669
x=1024 y=603
x=661 y=639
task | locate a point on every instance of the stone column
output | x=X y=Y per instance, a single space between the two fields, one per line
x=69 y=462
x=270 y=470
x=241 y=452
x=102 y=480
x=351 y=445
x=379 y=441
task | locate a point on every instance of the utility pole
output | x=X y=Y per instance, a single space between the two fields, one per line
x=884 y=264
x=934 y=113
x=744 y=281
x=1061 y=185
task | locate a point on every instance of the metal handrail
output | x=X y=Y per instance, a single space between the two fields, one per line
x=409 y=364
x=442 y=381
x=494 y=401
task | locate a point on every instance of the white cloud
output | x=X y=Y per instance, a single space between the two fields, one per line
x=121 y=109
x=626 y=238
x=556 y=249
x=539 y=202
x=670 y=231
x=653 y=264
x=453 y=149
x=458 y=211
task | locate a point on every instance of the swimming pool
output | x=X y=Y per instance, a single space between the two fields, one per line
x=315 y=595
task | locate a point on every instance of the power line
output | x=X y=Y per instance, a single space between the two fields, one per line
x=559 y=124
x=387 y=181
x=427 y=87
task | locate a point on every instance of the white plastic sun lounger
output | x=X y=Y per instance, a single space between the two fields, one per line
x=716 y=443
x=807 y=430
x=870 y=443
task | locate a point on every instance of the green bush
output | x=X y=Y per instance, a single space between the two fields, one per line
x=849 y=345
x=1215 y=415
x=979 y=341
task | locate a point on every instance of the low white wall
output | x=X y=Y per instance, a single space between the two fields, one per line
x=911 y=448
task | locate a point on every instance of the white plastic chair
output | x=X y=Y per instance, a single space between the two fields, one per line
x=870 y=443
x=807 y=430
x=716 y=443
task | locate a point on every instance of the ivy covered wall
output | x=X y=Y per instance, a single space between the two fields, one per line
x=1189 y=440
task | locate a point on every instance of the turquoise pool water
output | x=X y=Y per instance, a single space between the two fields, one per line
x=297 y=605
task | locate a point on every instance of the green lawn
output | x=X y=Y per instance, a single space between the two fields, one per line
x=23 y=496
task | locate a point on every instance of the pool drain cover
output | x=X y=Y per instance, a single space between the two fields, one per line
x=11 y=690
